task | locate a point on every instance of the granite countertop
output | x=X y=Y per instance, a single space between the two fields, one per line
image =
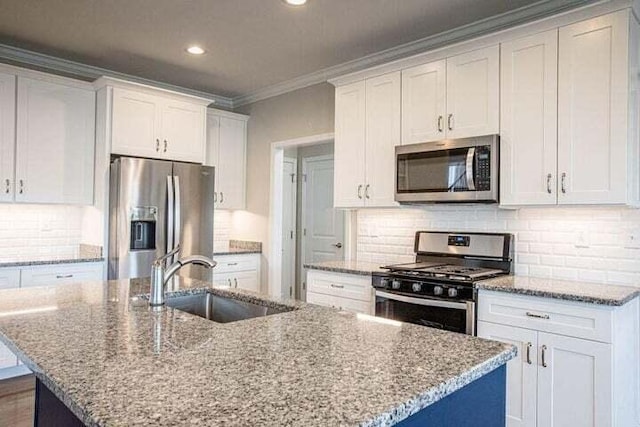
x=240 y=247
x=363 y=268
x=592 y=293
x=113 y=361
x=48 y=261
x=237 y=251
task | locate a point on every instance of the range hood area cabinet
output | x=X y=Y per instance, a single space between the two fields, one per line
x=367 y=129
x=455 y=97
x=47 y=138
x=148 y=122
x=226 y=152
x=569 y=114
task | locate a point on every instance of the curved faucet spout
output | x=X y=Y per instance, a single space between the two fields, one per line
x=160 y=276
x=192 y=259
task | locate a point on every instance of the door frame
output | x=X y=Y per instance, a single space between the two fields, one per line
x=276 y=215
x=293 y=161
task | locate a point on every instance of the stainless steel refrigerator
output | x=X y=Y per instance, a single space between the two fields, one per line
x=154 y=206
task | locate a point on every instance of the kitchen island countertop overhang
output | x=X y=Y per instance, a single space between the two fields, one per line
x=113 y=361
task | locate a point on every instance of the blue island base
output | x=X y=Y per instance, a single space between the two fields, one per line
x=481 y=403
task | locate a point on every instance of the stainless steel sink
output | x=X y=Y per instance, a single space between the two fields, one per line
x=221 y=309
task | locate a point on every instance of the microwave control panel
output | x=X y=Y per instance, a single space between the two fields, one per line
x=483 y=169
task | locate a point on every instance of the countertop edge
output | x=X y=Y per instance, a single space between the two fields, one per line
x=561 y=296
x=437 y=393
x=338 y=270
x=50 y=262
x=238 y=252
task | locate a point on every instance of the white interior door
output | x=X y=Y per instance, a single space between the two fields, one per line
x=322 y=224
x=289 y=192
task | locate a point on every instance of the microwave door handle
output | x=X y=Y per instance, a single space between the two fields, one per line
x=170 y=211
x=471 y=154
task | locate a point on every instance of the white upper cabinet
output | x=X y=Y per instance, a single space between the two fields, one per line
x=148 y=122
x=55 y=142
x=135 y=124
x=593 y=102
x=382 y=135
x=367 y=129
x=349 y=151
x=183 y=131
x=424 y=103
x=528 y=120
x=473 y=93
x=226 y=151
x=7 y=135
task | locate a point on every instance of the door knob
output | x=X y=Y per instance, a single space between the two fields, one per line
x=338 y=245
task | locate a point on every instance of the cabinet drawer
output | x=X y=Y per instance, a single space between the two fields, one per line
x=232 y=263
x=340 y=285
x=346 y=304
x=563 y=318
x=50 y=275
x=9 y=278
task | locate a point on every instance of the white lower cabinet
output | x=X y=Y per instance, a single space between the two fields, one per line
x=343 y=291
x=559 y=380
x=238 y=271
x=9 y=278
x=59 y=274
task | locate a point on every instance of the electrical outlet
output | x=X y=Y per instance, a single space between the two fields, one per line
x=582 y=239
x=633 y=239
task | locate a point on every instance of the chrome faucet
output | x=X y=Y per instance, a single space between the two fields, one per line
x=161 y=276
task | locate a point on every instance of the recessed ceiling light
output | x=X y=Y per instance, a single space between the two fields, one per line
x=195 y=50
x=295 y=2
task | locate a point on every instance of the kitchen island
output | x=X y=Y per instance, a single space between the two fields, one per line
x=103 y=358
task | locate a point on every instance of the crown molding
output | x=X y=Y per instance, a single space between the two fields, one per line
x=532 y=12
x=20 y=57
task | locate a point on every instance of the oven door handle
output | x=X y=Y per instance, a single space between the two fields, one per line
x=423 y=301
x=471 y=155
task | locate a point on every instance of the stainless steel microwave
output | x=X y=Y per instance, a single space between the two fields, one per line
x=456 y=170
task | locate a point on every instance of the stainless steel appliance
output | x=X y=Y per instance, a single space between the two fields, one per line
x=437 y=289
x=457 y=170
x=155 y=206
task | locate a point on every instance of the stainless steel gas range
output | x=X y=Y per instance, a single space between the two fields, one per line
x=437 y=290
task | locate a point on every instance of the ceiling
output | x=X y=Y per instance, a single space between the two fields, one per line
x=251 y=44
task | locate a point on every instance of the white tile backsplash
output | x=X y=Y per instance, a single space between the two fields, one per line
x=39 y=231
x=222 y=226
x=578 y=243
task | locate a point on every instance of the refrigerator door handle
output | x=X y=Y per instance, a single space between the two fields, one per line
x=170 y=211
x=177 y=204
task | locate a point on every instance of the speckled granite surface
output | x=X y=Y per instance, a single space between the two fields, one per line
x=351 y=267
x=592 y=293
x=48 y=261
x=114 y=362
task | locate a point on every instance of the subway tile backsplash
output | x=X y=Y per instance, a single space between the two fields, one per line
x=30 y=232
x=574 y=243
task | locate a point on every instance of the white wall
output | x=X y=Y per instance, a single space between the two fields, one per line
x=578 y=243
x=296 y=114
x=29 y=232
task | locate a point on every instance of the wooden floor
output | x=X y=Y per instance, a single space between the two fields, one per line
x=17 y=397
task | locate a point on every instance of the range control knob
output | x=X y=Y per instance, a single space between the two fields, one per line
x=384 y=283
x=452 y=292
x=395 y=284
x=417 y=287
x=437 y=290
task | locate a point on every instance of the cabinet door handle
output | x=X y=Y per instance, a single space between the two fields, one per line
x=157 y=145
x=563 y=182
x=549 y=183
x=165 y=146
x=333 y=285
x=215 y=197
x=7 y=183
x=235 y=281
x=360 y=191
x=529 y=353
x=21 y=191
x=440 y=123
x=221 y=197
x=544 y=354
x=366 y=191
x=537 y=316
x=450 y=122
x=229 y=282
x=232 y=263
x=64 y=276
